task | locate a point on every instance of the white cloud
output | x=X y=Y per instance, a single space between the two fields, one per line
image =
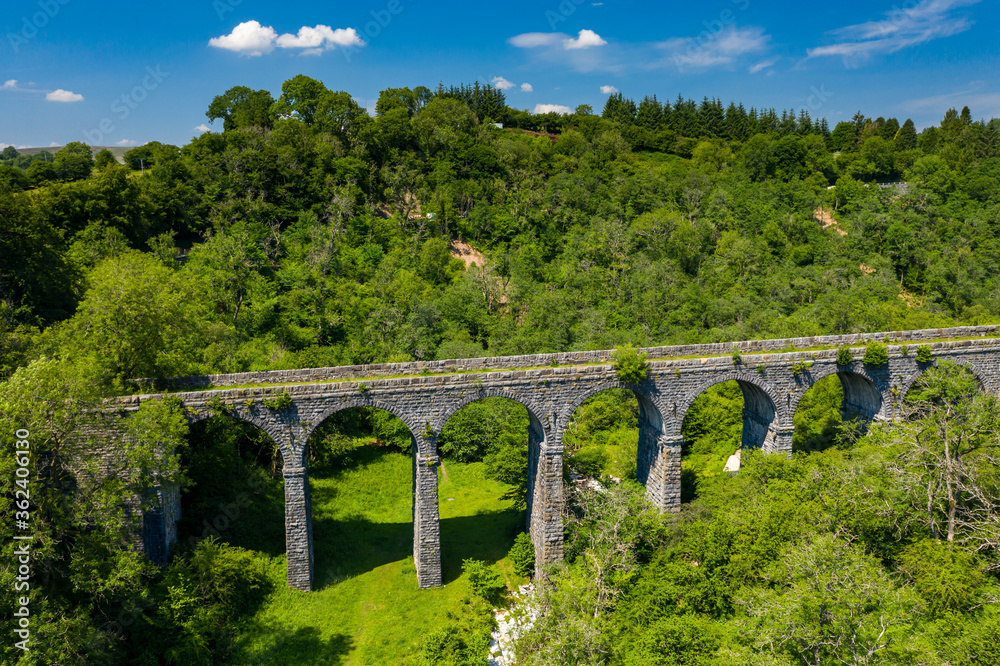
x=552 y=108
x=901 y=28
x=249 y=38
x=761 y=66
x=127 y=142
x=585 y=40
x=203 y=128
x=609 y=90
x=65 y=96
x=501 y=83
x=534 y=40
x=319 y=39
x=8 y=85
x=720 y=49
x=527 y=87
x=55 y=145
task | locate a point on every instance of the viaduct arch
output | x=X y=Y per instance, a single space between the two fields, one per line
x=771 y=376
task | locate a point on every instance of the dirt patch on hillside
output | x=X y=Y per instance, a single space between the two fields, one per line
x=912 y=300
x=467 y=253
x=825 y=218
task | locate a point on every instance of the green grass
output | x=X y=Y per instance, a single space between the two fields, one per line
x=366 y=607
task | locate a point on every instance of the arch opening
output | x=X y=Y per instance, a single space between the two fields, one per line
x=237 y=494
x=836 y=410
x=723 y=421
x=862 y=399
x=617 y=433
x=819 y=416
x=602 y=436
x=361 y=493
x=491 y=449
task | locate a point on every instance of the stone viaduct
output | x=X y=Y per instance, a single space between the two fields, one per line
x=772 y=374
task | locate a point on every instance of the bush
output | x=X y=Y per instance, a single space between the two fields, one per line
x=279 y=402
x=924 y=354
x=589 y=462
x=844 y=356
x=945 y=575
x=876 y=354
x=629 y=364
x=485 y=579
x=522 y=555
x=202 y=599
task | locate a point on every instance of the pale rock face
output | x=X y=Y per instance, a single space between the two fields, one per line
x=733 y=463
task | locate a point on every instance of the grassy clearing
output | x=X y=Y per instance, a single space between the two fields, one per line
x=366 y=607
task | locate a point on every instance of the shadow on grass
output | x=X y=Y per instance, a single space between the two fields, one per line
x=275 y=645
x=689 y=485
x=347 y=548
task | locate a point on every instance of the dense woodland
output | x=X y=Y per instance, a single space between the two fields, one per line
x=303 y=232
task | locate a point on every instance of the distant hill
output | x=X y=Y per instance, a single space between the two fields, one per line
x=117 y=151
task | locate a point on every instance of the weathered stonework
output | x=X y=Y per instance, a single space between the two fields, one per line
x=773 y=382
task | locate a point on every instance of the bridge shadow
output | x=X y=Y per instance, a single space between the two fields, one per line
x=263 y=643
x=347 y=548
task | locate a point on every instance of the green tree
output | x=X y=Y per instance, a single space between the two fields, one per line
x=74 y=161
x=301 y=97
x=830 y=603
x=33 y=270
x=105 y=158
x=137 y=319
x=241 y=107
x=82 y=555
x=906 y=139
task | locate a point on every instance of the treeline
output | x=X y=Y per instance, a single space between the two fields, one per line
x=309 y=233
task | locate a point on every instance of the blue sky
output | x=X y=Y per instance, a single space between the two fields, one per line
x=124 y=73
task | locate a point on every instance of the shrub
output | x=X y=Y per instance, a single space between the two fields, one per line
x=737 y=359
x=203 y=597
x=945 y=575
x=282 y=401
x=588 y=462
x=629 y=364
x=844 y=356
x=522 y=555
x=800 y=367
x=924 y=354
x=876 y=354
x=485 y=579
